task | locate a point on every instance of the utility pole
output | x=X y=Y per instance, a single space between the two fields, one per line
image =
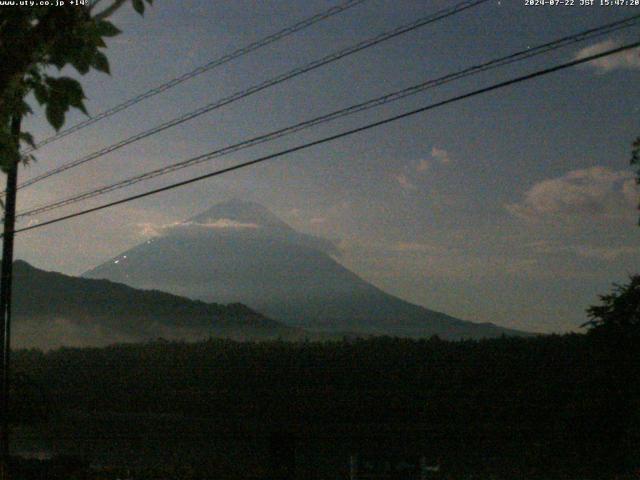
x=6 y=270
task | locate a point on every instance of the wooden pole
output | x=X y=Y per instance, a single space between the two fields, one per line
x=6 y=271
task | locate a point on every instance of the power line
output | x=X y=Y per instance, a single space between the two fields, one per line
x=337 y=136
x=394 y=96
x=263 y=42
x=440 y=15
x=259 y=87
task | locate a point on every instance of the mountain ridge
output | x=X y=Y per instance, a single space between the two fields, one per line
x=52 y=309
x=240 y=252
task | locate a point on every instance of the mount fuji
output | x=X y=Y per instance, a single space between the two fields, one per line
x=240 y=252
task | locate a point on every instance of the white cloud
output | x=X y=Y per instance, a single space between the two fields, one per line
x=409 y=173
x=629 y=59
x=441 y=155
x=225 y=223
x=150 y=230
x=596 y=193
x=156 y=230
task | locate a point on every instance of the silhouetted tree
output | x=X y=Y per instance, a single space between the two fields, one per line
x=33 y=39
x=619 y=311
x=615 y=329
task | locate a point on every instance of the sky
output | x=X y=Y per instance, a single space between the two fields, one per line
x=516 y=207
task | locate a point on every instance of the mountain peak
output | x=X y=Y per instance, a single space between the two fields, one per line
x=241 y=211
x=238 y=251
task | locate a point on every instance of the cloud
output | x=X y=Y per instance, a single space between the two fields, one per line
x=226 y=223
x=629 y=59
x=404 y=181
x=474 y=259
x=441 y=155
x=423 y=165
x=588 y=251
x=433 y=259
x=438 y=155
x=195 y=229
x=406 y=177
x=596 y=193
x=156 y=230
x=418 y=247
x=606 y=252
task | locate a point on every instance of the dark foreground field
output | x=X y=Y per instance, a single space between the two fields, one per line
x=546 y=407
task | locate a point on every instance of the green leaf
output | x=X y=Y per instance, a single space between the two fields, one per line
x=107 y=29
x=66 y=92
x=41 y=93
x=58 y=61
x=100 y=43
x=80 y=106
x=82 y=58
x=55 y=115
x=101 y=63
x=77 y=102
x=64 y=89
x=29 y=158
x=27 y=138
x=82 y=65
x=138 y=6
x=69 y=86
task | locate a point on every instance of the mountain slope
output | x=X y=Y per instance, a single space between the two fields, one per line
x=240 y=252
x=51 y=309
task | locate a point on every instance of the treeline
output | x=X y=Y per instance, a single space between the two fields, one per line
x=551 y=404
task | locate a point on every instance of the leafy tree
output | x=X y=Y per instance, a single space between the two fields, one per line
x=32 y=41
x=619 y=311
x=615 y=331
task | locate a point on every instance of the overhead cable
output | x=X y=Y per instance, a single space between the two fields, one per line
x=337 y=136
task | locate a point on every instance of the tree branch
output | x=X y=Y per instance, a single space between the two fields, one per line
x=20 y=57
